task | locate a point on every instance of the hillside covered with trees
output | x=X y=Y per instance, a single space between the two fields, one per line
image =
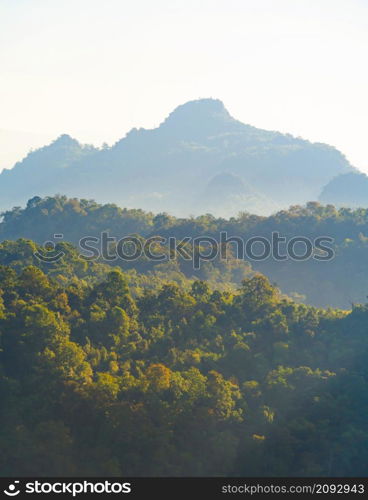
x=101 y=375
x=339 y=282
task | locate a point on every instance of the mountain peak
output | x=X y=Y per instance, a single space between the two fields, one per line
x=203 y=116
x=201 y=107
x=65 y=140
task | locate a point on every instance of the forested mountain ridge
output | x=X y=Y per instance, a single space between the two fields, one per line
x=175 y=381
x=198 y=160
x=337 y=283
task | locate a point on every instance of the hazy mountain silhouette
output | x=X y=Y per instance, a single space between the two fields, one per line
x=349 y=190
x=199 y=159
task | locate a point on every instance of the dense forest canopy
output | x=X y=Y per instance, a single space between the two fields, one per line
x=102 y=375
x=337 y=283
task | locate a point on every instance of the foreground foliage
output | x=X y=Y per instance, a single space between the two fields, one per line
x=178 y=379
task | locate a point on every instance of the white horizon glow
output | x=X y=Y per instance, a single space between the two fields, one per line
x=95 y=69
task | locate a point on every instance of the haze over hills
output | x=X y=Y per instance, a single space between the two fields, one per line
x=349 y=190
x=200 y=159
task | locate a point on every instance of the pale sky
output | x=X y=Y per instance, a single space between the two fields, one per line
x=96 y=68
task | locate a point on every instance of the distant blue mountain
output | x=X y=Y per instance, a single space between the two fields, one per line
x=199 y=159
x=349 y=190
